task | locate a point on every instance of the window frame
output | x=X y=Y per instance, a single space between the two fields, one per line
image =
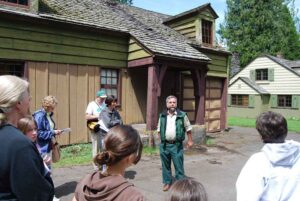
x=207 y=32
x=240 y=100
x=5 y=2
x=262 y=74
x=284 y=101
x=23 y=72
x=117 y=86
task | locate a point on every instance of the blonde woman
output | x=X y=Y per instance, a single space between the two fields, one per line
x=46 y=126
x=21 y=167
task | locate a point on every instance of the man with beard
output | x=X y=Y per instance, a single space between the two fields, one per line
x=172 y=126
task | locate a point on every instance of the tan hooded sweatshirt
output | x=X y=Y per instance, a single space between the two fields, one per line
x=96 y=187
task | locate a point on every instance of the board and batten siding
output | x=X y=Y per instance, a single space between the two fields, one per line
x=240 y=87
x=36 y=42
x=74 y=86
x=285 y=82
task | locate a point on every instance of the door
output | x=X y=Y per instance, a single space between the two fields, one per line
x=213 y=104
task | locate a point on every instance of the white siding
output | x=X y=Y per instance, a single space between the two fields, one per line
x=240 y=87
x=285 y=81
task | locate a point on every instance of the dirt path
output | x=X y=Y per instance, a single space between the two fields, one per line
x=216 y=166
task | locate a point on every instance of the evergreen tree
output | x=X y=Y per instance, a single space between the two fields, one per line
x=255 y=27
x=129 y=2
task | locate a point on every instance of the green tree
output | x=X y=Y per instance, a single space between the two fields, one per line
x=129 y=2
x=255 y=27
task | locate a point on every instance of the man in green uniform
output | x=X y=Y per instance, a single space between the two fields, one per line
x=172 y=126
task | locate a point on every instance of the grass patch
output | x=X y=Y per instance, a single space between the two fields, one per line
x=150 y=150
x=293 y=124
x=209 y=140
x=81 y=154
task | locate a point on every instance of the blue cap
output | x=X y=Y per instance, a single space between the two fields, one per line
x=101 y=93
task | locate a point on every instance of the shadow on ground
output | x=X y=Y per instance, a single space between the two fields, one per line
x=65 y=189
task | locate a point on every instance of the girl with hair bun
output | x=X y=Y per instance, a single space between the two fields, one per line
x=123 y=148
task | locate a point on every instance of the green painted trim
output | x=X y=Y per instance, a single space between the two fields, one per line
x=55 y=31
x=60 y=49
x=134 y=47
x=61 y=39
x=271 y=74
x=252 y=75
x=190 y=25
x=251 y=102
x=138 y=55
x=216 y=74
x=182 y=22
x=55 y=58
x=295 y=102
x=274 y=100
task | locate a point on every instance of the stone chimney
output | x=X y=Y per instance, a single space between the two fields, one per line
x=235 y=64
x=279 y=55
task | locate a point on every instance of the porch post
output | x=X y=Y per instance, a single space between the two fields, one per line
x=201 y=107
x=199 y=91
x=224 y=105
x=152 y=98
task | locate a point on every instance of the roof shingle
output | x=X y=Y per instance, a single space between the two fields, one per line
x=146 y=26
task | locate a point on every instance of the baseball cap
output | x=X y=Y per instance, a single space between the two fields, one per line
x=101 y=93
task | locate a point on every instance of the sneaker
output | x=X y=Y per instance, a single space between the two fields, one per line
x=55 y=199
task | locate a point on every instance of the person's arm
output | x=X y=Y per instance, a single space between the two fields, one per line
x=250 y=183
x=115 y=120
x=105 y=118
x=89 y=115
x=188 y=129
x=43 y=132
x=28 y=182
x=158 y=129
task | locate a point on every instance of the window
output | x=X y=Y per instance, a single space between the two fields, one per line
x=18 y=2
x=11 y=68
x=109 y=80
x=206 y=32
x=261 y=74
x=284 y=101
x=240 y=100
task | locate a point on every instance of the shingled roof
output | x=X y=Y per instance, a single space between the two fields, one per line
x=145 y=26
x=288 y=64
x=252 y=84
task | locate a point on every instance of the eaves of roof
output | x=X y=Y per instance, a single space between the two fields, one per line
x=192 y=12
x=284 y=63
x=251 y=84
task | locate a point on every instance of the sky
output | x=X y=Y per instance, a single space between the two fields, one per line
x=173 y=7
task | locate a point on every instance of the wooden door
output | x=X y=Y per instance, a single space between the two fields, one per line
x=188 y=97
x=213 y=104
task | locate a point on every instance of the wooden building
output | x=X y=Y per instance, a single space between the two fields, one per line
x=71 y=49
x=268 y=83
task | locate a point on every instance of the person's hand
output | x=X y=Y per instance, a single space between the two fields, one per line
x=58 y=132
x=189 y=144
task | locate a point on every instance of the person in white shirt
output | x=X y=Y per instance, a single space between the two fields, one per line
x=274 y=172
x=93 y=110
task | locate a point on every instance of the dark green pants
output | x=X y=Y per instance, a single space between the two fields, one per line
x=168 y=153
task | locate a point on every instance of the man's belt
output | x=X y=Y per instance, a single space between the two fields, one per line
x=170 y=141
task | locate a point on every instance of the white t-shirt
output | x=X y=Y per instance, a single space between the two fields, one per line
x=95 y=109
